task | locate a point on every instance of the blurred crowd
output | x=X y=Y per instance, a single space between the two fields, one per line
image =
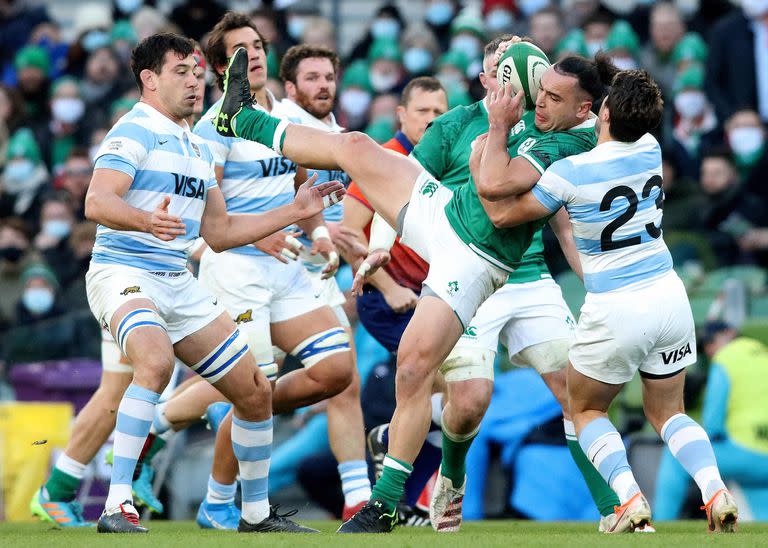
x=59 y=97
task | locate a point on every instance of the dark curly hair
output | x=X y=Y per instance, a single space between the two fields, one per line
x=635 y=105
x=594 y=76
x=289 y=66
x=150 y=53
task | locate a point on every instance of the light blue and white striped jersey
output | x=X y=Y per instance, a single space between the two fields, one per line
x=256 y=179
x=298 y=115
x=163 y=159
x=613 y=194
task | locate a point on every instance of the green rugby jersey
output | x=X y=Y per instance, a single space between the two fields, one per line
x=505 y=247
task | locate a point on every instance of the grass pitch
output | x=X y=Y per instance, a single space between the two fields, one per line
x=510 y=534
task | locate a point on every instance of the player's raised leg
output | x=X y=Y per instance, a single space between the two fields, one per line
x=385 y=177
x=221 y=355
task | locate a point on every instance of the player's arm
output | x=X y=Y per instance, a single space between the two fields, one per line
x=715 y=402
x=223 y=231
x=561 y=226
x=318 y=232
x=356 y=217
x=498 y=175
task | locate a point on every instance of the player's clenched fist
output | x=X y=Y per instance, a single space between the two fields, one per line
x=163 y=225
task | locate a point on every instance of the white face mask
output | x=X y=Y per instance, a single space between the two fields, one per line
x=624 y=63
x=754 y=8
x=690 y=104
x=529 y=7
x=383 y=81
x=417 y=60
x=746 y=141
x=68 y=109
x=37 y=300
x=355 y=101
x=386 y=27
x=128 y=6
x=467 y=45
x=593 y=46
x=296 y=26
x=17 y=174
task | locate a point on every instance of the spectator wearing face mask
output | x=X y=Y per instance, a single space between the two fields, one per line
x=596 y=28
x=438 y=16
x=64 y=130
x=79 y=247
x=387 y=24
x=38 y=300
x=355 y=96
x=695 y=123
x=420 y=50
x=14 y=257
x=122 y=39
x=23 y=179
x=385 y=71
x=103 y=83
x=746 y=137
x=572 y=43
x=623 y=45
x=666 y=28
x=500 y=16
x=468 y=37
x=737 y=70
x=690 y=50
x=56 y=221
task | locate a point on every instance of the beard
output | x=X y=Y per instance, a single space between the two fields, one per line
x=317 y=109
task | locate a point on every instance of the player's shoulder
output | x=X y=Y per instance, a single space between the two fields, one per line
x=458 y=116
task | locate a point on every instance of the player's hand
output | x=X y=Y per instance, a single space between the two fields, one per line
x=478 y=147
x=503 y=47
x=375 y=260
x=504 y=108
x=283 y=246
x=348 y=241
x=163 y=225
x=325 y=247
x=400 y=299
x=311 y=200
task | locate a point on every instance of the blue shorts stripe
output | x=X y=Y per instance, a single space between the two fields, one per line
x=226 y=364
x=201 y=369
x=252 y=454
x=254 y=490
x=133 y=426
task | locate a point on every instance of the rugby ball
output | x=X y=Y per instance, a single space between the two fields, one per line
x=522 y=65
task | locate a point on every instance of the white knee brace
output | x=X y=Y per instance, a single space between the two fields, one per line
x=316 y=348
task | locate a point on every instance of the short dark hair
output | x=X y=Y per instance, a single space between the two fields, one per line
x=551 y=10
x=718 y=153
x=635 y=105
x=289 y=66
x=593 y=76
x=491 y=47
x=426 y=83
x=150 y=53
x=216 y=49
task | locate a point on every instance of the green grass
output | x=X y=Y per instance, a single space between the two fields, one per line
x=510 y=534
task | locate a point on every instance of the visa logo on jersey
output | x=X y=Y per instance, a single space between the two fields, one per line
x=676 y=355
x=190 y=187
x=276 y=166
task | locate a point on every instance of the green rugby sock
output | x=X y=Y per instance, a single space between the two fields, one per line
x=61 y=487
x=257 y=125
x=455 y=448
x=604 y=497
x=389 y=488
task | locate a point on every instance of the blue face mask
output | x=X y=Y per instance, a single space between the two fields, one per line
x=296 y=26
x=128 y=6
x=386 y=27
x=467 y=45
x=37 y=300
x=417 y=60
x=529 y=7
x=94 y=40
x=16 y=174
x=499 y=20
x=439 y=13
x=58 y=228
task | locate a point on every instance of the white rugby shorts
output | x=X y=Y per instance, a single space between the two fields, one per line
x=649 y=329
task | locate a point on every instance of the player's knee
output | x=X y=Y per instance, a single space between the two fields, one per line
x=468 y=403
x=355 y=140
x=413 y=373
x=254 y=398
x=154 y=371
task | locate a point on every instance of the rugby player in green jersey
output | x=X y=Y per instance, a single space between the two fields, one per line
x=528 y=315
x=469 y=257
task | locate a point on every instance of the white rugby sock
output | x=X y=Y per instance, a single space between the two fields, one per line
x=354 y=482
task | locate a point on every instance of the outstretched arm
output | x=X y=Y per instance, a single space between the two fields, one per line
x=223 y=231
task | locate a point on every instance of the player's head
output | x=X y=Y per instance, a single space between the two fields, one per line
x=569 y=88
x=715 y=335
x=309 y=74
x=164 y=68
x=237 y=30
x=633 y=106
x=423 y=100
x=488 y=76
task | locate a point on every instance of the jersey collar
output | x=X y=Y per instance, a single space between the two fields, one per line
x=162 y=121
x=404 y=142
x=312 y=121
